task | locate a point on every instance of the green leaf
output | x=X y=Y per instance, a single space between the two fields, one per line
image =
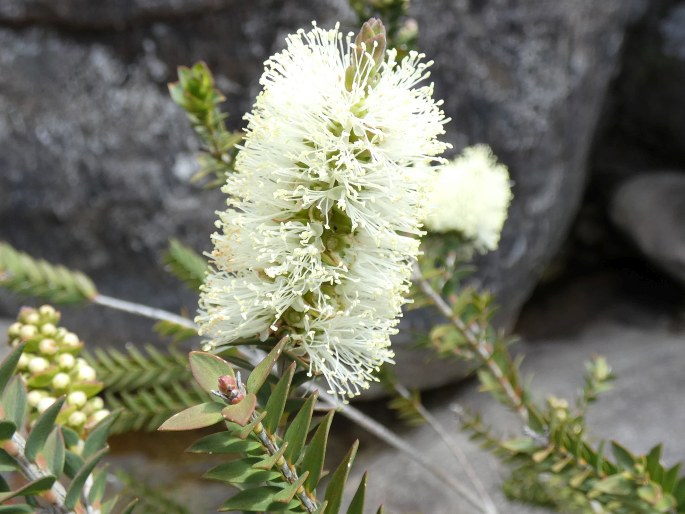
x=14 y=401
x=336 y=484
x=222 y=442
x=258 y=500
x=54 y=452
x=624 y=459
x=97 y=490
x=288 y=493
x=276 y=404
x=207 y=368
x=77 y=483
x=240 y=471
x=615 y=484
x=316 y=453
x=97 y=439
x=186 y=264
x=653 y=465
x=7 y=463
x=357 y=503
x=9 y=365
x=7 y=430
x=130 y=507
x=72 y=463
x=34 y=487
x=198 y=416
x=42 y=429
x=17 y=509
x=240 y=412
x=296 y=434
x=260 y=373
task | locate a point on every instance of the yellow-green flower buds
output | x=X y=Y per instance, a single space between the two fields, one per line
x=44 y=403
x=77 y=399
x=28 y=332
x=61 y=381
x=48 y=347
x=66 y=361
x=76 y=419
x=38 y=365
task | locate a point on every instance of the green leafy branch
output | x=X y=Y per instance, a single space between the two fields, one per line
x=554 y=451
x=22 y=274
x=196 y=94
x=186 y=264
x=47 y=456
x=278 y=470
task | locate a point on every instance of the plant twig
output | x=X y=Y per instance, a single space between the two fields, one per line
x=289 y=473
x=476 y=342
x=389 y=437
x=143 y=310
x=489 y=505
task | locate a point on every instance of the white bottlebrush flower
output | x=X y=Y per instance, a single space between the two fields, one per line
x=471 y=195
x=325 y=205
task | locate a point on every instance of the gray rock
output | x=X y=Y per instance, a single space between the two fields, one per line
x=94 y=157
x=640 y=411
x=650 y=209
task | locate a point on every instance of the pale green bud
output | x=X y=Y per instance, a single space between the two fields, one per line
x=85 y=374
x=15 y=329
x=38 y=365
x=47 y=347
x=23 y=361
x=48 y=329
x=77 y=399
x=93 y=405
x=47 y=311
x=77 y=419
x=61 y=381
x=28 y=332
x=66 y=361
x=33 y=397
x=70 y=340
x=31 y=317
x=44 y=403
x=98 y=416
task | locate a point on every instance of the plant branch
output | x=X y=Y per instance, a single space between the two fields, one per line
x=477 y=343
x=143 y=310
x=489 y=505
x=289 y=473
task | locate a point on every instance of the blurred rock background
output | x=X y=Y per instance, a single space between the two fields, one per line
x=582 y=100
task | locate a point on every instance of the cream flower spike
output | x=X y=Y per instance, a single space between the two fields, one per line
x=325 y=206
x=471 y=195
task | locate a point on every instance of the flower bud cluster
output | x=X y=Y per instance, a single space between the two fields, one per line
x=51 y=367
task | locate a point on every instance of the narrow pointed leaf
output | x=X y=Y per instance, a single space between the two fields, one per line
x=7 y=463
x=14 y=401
x=381 y=510
x=259 y=374
x=198 y=416
x=336 y=484
x=97 y=439
x=97 y=490
x=207 y=368
x=222 y=442
x=258 y=500
x=357 y=503
x=17 y=509
x=624 y=458
x=287 y=494
x=130 y=507
x=7 y=430
x=240 y=412
x=298 y=430
x=8 y=365
x=54 y=452
x=241 y=472
x=276 y=403
x=34 y=487
x=249 y=428
x=72 y=463
x=316 y=453
x=76 y=485
x=41 y=430
x=269 y=461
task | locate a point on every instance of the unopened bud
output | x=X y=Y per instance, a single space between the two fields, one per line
x=47 y=347
x=70 y=340
x=30 y=317
x=66 y=361
x=15 y=329
x=373 y=39
x=227 y=384
x=77 y=419
x=85 y=374
x=48 y=329
x=33 y=397
x=28 y=332
x=23 y=361
x=61 y=381
x=77 y=399
x=45 y=403
x=98 y=416
x=93 y=405
x=47 y=311
x=38 y=365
